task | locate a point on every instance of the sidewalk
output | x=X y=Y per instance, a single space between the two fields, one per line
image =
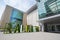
x=30 y=36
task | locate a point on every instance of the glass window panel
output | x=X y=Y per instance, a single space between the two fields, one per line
x=17 y=14
x=59 y=7
x=13 y=20
x=58 y=0
x=58 y=27
x=49 y=7
x=14 y=13
x=53 y=6
x=58 y=3
x=52 y=3
x=53 y=9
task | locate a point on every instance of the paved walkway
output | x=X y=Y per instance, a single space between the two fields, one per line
x=30 y=36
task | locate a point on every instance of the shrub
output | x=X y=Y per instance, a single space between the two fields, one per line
x=8 y=28
x=37 y=28
x=17 y=28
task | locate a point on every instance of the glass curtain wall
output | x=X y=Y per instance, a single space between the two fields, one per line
x=48 y=8
x=16 y=16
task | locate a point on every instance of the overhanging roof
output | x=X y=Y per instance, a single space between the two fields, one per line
x=13 y=8
x=34 y=7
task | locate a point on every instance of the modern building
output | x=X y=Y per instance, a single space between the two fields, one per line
x=32 y=16
x=11 y=15
x=49 y=15
x=46 y=14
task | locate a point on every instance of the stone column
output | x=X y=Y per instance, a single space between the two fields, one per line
x=56 y=28
x=24 y=19
x=41 y=26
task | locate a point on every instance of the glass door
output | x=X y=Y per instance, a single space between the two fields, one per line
x=58 y=28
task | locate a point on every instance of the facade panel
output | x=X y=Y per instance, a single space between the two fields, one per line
x=6 y=16
x=11 y=15
x=32 y=18
x=16 y=16
x=48 y=8
x=49 y=11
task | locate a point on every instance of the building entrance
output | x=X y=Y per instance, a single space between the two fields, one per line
x=52 y=28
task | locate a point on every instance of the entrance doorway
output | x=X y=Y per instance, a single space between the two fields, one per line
x=52 y=28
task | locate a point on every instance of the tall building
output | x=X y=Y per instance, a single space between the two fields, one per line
x=32 y=16
x=49 y=15
x=11 y=15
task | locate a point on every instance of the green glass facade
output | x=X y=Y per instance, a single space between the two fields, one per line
x=16 y=16
x=48 y=8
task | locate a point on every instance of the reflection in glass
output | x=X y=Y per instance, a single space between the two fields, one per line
x=16 y=16
x=48 y=8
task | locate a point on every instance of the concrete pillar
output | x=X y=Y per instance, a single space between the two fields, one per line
x=34 y=29
x=24 y=19
x=56 y=28
x=41 y=26
x=21 y=28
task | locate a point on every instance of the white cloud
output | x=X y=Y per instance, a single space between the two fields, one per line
x=23 y=5
x=11 y=2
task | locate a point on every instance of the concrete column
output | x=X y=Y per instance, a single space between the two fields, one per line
x=34 y=29
x=24 y=19
x=21 y=28
x=41 y=26
x=56 y=28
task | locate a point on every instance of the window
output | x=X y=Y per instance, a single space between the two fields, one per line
x=54 y=9
x=58 y=7
x=58 y=0
x=58 y=3
x=16 y=16
x=58 y=27
x=52 y=4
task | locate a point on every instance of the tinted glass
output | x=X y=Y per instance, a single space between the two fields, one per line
x=48 y=8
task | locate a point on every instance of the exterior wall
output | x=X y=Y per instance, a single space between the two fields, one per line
x=47 y=8
x=6 y=16
x=16 y=16
x=49 y=11
x=32 y=18
x=24 y=19
x=41 y=8
x=11 y=15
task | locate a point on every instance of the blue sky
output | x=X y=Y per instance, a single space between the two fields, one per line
x=2 y=7
x=22 y=5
